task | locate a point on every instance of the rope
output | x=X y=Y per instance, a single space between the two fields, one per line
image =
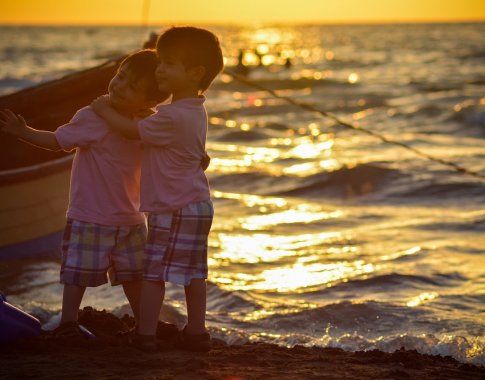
x=145 y=13
x=330 y=116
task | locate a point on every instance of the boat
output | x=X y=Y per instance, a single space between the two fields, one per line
x=34 y=183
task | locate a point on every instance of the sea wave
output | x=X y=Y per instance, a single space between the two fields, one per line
x=444 y=190
x=345 y=182
x=358 y=327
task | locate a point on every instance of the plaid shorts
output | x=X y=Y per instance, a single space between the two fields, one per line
x=92 y=252
x=176 y=249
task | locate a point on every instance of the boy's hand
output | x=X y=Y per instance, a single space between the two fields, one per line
x=204 y=163
x=100 y=104
x=144 y=113
x=12 y=124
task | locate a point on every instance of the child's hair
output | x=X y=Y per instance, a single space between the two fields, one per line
x=197 y=47
x=142 y=65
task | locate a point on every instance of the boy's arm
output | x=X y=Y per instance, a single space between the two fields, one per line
x=15 y=125
x=123 y=125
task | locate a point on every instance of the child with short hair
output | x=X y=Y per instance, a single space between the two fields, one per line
x=174 y=189
x=105 y=232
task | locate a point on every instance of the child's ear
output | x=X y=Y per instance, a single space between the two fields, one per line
x=197 y=73
x=151 y=103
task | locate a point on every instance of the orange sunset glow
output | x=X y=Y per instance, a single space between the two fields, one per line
x=224 y=11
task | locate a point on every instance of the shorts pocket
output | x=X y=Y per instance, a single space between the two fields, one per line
x=158 y=238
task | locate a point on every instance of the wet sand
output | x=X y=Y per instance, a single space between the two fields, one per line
x=105 y=358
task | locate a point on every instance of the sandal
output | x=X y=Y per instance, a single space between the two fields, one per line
x=165 y=331
x=194 y=342
x=122 y=334
x=71 y=329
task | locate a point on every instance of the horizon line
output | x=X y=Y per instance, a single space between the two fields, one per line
x=241 y=24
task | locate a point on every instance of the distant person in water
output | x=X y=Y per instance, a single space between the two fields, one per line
x=174 y=189
x=105 y=232
x=241 y=68
x=151 y=42
x=288 y=63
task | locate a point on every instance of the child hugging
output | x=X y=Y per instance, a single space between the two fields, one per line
x=105 y=232
x=174 y=190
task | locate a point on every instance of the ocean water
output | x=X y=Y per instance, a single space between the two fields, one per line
x=323 y=235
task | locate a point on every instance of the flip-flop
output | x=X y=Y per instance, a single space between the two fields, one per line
x=166 y=331
x=194 y=342
x=69 y=329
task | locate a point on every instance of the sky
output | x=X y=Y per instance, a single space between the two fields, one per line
x=157 y=12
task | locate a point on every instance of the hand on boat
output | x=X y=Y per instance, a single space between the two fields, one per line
x=12 y=123
x=100 y=104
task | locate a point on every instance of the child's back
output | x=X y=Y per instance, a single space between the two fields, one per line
x=174 y=141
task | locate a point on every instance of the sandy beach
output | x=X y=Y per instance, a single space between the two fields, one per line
x=104 y=358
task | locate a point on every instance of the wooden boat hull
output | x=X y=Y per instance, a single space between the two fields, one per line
x=32 y=213
x=34 y=183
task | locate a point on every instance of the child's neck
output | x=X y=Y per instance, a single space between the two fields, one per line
x=185 y=93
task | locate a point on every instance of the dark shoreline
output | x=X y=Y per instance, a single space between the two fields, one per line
x=104 y=358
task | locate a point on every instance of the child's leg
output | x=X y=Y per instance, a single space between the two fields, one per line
x=132 y=291
x=152 y=294
x=127 y=263
x=71 y=301
x=195 y=296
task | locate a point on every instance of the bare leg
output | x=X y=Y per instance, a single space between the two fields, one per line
x=152 y=293
x=195 y=296
x=132 y=291
x=71 y=301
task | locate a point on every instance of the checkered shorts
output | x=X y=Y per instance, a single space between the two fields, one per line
x=176 y=249
x=92 y=252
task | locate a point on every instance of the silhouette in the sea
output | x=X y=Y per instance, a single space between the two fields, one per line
x=151 y=42
x=241 y=68
x=288 y=63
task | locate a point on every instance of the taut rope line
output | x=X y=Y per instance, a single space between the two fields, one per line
x=328 y=115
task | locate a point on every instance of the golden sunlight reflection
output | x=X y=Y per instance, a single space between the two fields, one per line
x=407 y=252
x=230 y=164
x=266 y=312
x=251 y=156
x=255 y=248
x=264 y=47
x=310 y=168
x=421 y=298
x=310 y=146
x=251 y=200
x=297 y=277
x=249 y=249
x=303 y=275
x=260 y=153
x=310 y=150
x=267 y=60
x=353 y=78
x=301 y=214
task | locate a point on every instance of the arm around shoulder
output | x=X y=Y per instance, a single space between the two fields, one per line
x=122 y=125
